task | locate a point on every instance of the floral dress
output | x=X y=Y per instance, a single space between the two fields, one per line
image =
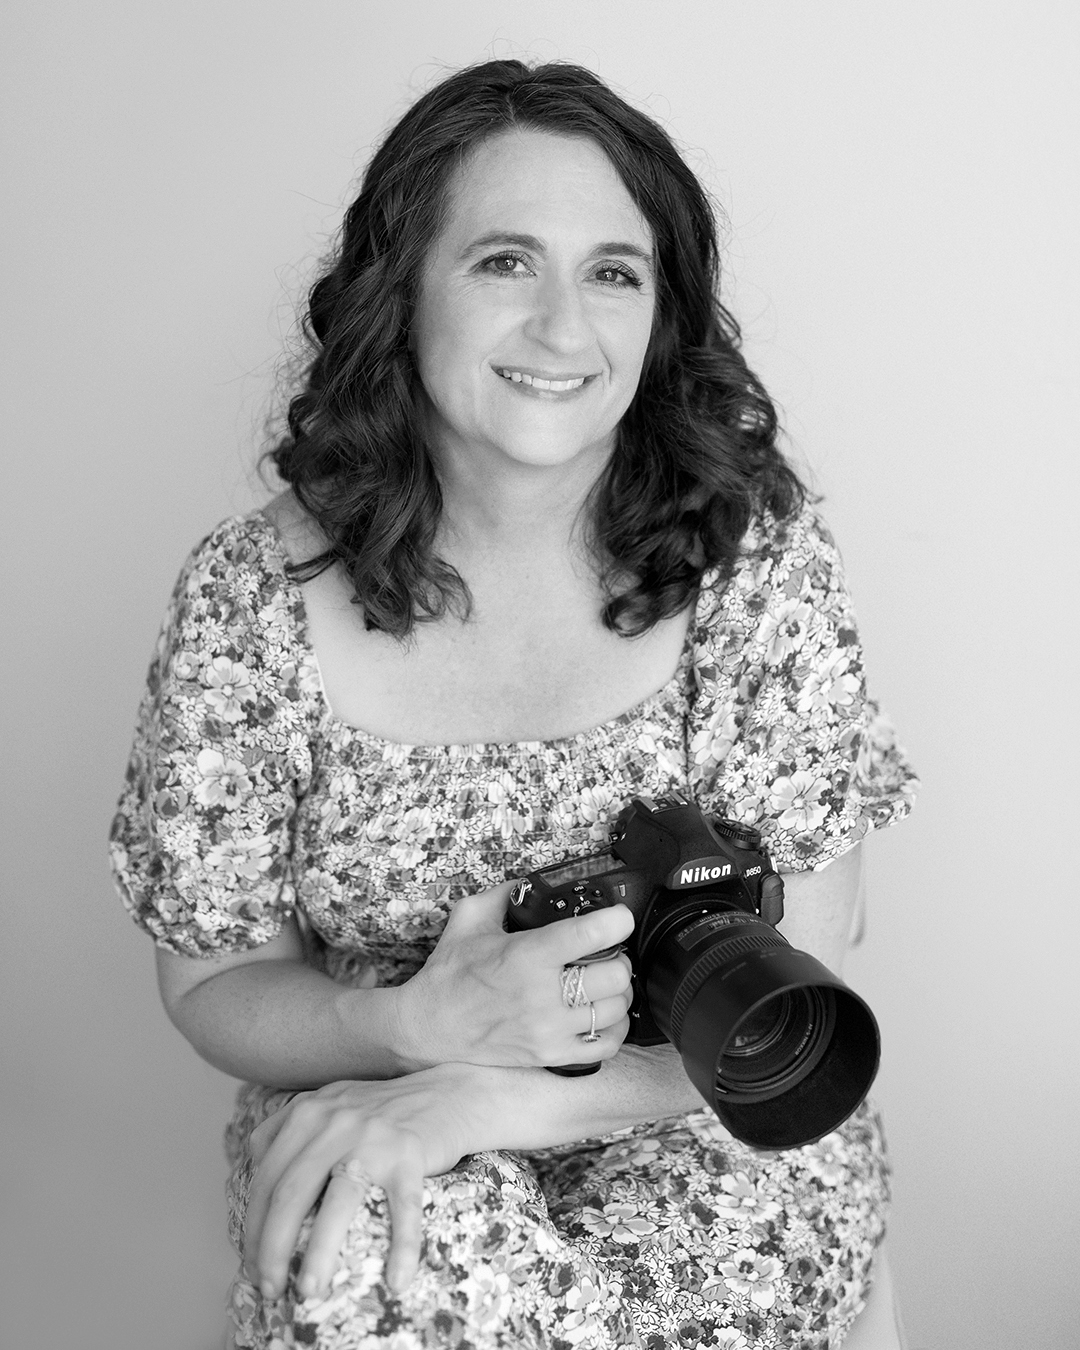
x=247 y=800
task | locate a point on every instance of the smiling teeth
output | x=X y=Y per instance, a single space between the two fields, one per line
x=556 y=386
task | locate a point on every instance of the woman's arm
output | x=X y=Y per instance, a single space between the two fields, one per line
x=398 y=1132
x=485 y=996
x=820 y=909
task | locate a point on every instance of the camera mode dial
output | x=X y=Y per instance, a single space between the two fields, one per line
x=742 y=836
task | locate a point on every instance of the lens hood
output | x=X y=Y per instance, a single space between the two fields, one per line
x=838 y=1050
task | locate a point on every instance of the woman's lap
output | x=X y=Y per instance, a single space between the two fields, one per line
x=668 y=1234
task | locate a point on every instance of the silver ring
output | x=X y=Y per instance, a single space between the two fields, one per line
x=591 y=1036
x=573 y=986
x=352 y=1171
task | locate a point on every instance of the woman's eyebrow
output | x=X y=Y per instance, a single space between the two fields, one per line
x=622 y=248
x=496 y=238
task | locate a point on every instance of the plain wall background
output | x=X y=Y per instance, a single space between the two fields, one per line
x=901 y=187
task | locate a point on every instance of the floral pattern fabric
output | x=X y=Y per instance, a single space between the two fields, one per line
x=246 y=800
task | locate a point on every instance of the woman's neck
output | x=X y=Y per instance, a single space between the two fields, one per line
x=507 y=506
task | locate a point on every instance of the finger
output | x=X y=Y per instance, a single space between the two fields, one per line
x=289 y=1146
x=604 y=979
x=405 y=1200
x=264 y=1134
x=482 y=912
x=295 y=1193
x=609 y=1037
x=343 y=1198
x=610 y=1012
x=569 y=940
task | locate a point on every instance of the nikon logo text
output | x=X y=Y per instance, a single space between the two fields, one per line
x=693 y=876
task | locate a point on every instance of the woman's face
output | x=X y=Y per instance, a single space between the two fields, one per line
x=535 y=310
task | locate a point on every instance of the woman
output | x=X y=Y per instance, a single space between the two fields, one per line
x=539 y=554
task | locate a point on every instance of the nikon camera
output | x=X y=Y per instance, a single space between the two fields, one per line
x=780 y=1048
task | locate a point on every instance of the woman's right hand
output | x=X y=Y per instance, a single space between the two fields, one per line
x=490 y=997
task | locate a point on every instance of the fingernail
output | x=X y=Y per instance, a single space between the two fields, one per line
x=306 y=1286
x=267 y=1289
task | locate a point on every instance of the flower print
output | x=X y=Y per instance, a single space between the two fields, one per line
x=828 y=1159
x=224 y=781
x=749 y=1273
x=771 y=703
x=487 y=1289
x=508 y=818
x=409 y=835
x=228 y=686
x=744 y=1200
x=784 y=630
x=689 y=1275
x=319 y=890
x=829 y=684
x=730 y=1338
x=309 y=679
x=797 y=798
x=620 y=1222
x=343 y=783
x=416 y=909
x=748 y=810
x=669 y=760
x=184 y=837
x=244 y=859
x=563 y=816
x=185 y=665
x=638 y=1283
x=712 y=744
x=275 y=613
x=168 y=907
x=584 y=1303
x=595 y=808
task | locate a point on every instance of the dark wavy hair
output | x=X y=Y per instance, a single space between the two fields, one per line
x=696 y=454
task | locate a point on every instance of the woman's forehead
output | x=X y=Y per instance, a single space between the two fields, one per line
x=526 y=181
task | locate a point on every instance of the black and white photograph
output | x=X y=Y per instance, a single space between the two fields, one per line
x=540 y=683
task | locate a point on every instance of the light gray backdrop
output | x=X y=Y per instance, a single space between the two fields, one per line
x=900 y=181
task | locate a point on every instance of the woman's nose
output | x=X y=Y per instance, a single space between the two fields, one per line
x=559 y=319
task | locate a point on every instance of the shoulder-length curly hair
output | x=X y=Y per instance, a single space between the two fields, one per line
x=696 y=454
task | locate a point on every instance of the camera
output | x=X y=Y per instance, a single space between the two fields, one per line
x=780 y=1048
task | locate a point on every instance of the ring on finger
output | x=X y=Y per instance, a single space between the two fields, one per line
x=591 y=1036
x=352 y=1171
x=573 y=986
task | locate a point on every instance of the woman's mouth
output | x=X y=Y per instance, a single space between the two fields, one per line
x=553 y=384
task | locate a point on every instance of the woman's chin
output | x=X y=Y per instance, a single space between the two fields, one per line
x=554 y=451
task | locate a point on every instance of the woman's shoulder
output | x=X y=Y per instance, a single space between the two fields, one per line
x=779 y=558
x=800 y=537
x=235 y=588
x=247 y=554
x=297 y=534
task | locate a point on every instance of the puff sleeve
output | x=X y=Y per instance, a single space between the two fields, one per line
x=201 y=842
x=782 y=733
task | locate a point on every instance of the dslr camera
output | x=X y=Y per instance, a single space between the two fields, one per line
x=780 y=1048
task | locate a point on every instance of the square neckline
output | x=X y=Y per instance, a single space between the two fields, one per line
x=680 y=679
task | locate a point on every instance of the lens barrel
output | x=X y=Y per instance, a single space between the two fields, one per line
x=777 y=1044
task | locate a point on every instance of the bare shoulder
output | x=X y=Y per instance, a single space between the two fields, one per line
x=299 y=534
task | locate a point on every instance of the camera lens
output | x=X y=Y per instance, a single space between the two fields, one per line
x=779 y=1046
x=777 y=1042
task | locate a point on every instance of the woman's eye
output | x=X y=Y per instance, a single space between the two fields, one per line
x=612 y=275
x=504 y=264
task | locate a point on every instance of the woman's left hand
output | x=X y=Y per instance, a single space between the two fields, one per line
x=394 y=1132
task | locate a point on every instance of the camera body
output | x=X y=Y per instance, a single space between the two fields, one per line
x=778 y=1046
x=668 y=861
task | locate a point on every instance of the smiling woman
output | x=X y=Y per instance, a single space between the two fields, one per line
x=539 y=555
x=530 y=345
